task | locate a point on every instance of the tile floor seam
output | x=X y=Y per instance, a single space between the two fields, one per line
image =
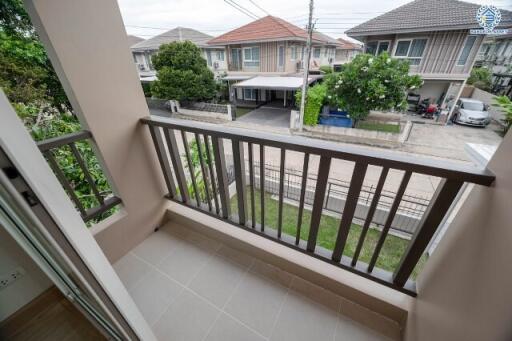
x=139 y=280
x=202 y=298
x=283 y=300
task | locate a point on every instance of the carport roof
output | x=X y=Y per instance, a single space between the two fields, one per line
x=274 y=83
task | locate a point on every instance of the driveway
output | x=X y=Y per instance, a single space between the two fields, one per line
x=267 y=116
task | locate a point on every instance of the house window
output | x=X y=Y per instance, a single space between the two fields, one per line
x=316 y=52
x=376 y=47
x=220 y=55
x=250 y=94
x=209 y=58
x=252 y=56
x=293 y=52
x=464 y=55
x=411 y=49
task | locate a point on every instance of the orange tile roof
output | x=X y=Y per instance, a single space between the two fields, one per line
x=348 y=45
x=266 y=28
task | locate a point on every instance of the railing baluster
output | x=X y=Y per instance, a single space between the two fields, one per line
x=281 y=190
x=162 y=158
x=86 y=172
x=262 y=186
x=348 y=211
x=203 y=171
x=302 y=195
x=65 y=183
x=318 y=202
x=212 y=175
x=371 y=212
x=190 y=167
x=222 y=178
x=441 y=201
x=251 y=184
x=389 y=219
x=172 y=144
x=239 y=163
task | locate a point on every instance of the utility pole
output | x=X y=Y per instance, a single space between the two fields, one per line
x=306 y=67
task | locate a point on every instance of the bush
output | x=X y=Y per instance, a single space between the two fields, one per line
x=146 y=87
x=506 y=105
x=480 y=78
x=371 y=83
x=314 y=101
x=326 y=69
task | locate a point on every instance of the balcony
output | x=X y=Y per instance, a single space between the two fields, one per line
x=196 y=255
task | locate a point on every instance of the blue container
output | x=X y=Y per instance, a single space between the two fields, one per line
x=336 y=118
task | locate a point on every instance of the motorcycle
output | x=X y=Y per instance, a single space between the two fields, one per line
x=427 y=109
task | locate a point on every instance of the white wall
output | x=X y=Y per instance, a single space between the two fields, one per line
x=25 y=289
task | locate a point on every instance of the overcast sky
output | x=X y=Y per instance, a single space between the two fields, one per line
x=151 y=17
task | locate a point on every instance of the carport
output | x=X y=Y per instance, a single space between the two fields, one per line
x=275 y=89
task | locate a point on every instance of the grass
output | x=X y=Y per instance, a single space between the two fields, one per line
x=242 y=111
x=391 y=251
x=378 y=126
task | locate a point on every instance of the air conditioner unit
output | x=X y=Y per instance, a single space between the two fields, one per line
x=216 y=65
x=330 y=60
x=141 y=67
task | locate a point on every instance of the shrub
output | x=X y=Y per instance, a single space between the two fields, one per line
x=506 y=105
x=314 y=101
x=371 y=83
x=326 y=69
x=480 y=78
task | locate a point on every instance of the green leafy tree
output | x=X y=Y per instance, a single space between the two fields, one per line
x=506 y=106
x=481 y=77
x=371 y=83
x=182 y=73
x=314 y=101
x=196 y=167
x=33 y=88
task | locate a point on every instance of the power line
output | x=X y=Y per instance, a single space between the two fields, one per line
x=261 y=9
x=238 y=7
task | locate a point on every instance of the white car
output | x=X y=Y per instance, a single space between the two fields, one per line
x=471 y=112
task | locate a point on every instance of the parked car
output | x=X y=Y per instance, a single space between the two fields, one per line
x=471 y=112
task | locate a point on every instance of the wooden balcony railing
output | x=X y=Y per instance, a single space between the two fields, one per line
x=89 y=209
x=169 y=135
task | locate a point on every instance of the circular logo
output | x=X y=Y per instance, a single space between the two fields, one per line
x=488 y=17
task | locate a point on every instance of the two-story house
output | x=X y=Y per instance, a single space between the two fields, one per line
x=142 y=51
x=434 y=36
x=347 y=51
x=496 y=55
x=267 y=48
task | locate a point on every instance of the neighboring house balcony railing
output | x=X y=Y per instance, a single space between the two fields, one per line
x=183 y=146
x=73 y=161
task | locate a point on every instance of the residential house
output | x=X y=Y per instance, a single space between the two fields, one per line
x=270 y=47
x=173 y=265
x=142 y=51
x=434 y=36
x=347 y=51
x=496 y=55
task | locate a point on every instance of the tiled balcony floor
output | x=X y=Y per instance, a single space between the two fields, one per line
x=190 y=287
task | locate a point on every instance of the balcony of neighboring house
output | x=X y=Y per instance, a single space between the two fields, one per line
x=224 y=233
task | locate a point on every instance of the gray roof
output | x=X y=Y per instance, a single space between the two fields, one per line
x=133 y=40
x=426 y=15
x=176 y=34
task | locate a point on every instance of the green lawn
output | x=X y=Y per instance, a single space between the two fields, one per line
x=378 y=126
x=242 y=111
x=390 y=254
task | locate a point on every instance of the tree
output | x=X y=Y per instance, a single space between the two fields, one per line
x=182 y=73
x=371 y=83
x=481 y=78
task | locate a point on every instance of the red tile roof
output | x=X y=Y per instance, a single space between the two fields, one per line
x=348 y=45
x=266 y=28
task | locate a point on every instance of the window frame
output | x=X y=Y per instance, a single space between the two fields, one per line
x=252 y=60
x=378 y=45
x=410 y=40
x=319 y=52
x=463 y=47
x=294 y=52
x=250 y=98
x=220 y=55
